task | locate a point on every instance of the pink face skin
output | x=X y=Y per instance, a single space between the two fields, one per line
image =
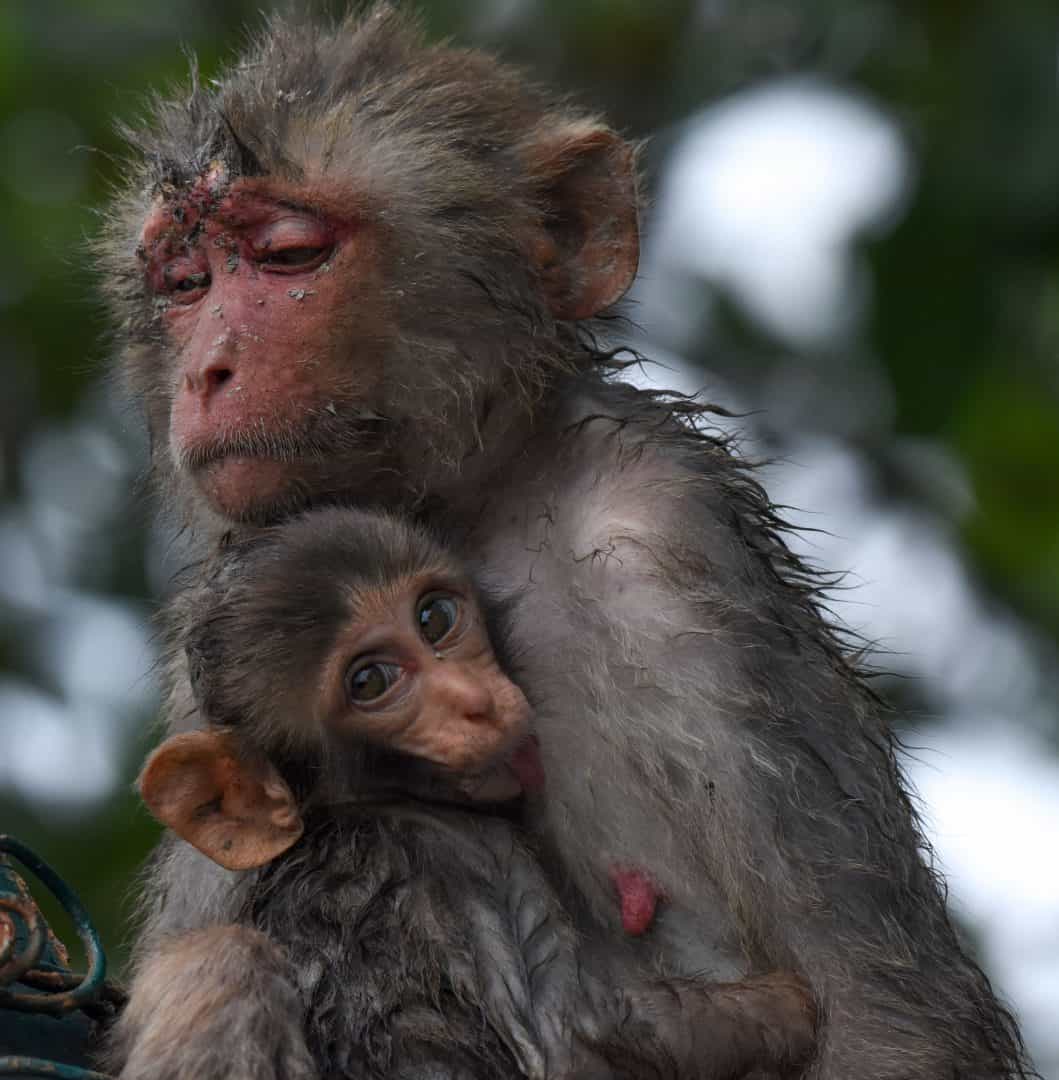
x=275 y=317
x=417 y=673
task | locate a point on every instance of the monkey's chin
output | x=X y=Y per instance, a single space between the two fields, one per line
x=497 y=786
x=248 y=488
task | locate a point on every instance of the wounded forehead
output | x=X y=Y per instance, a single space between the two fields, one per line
x=210 y=197
x=305 y=90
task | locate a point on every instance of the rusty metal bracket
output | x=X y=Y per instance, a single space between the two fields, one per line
x=38 y=1067
x=60 y=1004
x=23 y=937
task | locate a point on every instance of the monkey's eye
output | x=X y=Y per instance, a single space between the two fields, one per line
x=192 y=282
x=186 y=279
x=292 y=244
x=295 y=258
x=368 y=682
x=436 y=615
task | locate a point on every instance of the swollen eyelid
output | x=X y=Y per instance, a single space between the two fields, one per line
x=292 y=233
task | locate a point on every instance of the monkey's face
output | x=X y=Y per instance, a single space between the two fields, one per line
x=416 y=672
x=277 y=328
x=359 y=256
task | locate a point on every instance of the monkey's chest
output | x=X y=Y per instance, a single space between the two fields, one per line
x=590 y=634
x=381 y=954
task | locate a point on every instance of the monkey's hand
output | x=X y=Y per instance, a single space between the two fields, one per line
x=691 y=1029
x=680 y=1029
x=217 y=1004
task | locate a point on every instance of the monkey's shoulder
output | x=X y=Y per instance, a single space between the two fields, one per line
x=619 y=478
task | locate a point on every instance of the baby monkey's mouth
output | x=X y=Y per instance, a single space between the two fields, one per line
x=498 y=788
x=519 y=772
x=525 y=762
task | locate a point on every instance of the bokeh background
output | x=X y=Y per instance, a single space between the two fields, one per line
x=853 y=242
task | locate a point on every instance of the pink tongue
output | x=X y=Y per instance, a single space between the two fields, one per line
x=639 y=899
x=525 y=763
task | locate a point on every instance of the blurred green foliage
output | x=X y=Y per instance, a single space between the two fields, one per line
x=964 y=320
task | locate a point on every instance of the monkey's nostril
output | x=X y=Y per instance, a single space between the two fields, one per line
x=216 y=378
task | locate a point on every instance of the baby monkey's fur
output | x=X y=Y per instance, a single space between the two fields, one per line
x=387 y=921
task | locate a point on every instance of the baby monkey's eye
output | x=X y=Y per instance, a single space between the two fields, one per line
x=370 y=681
x=436 y=614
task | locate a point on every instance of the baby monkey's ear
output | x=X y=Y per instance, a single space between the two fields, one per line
x=235 y=809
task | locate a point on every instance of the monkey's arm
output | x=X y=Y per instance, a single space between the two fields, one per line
x=694 y=1030
x=683 y=1029
x=707 y=728
x=215 y=1004
x=561 y=1020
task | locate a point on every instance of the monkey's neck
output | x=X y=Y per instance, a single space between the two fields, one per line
x=508 y=434
x=447 y=490
x=348 y=771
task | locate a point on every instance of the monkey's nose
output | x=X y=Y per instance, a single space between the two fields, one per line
x=213 y=368
x=207 y=382
x=465 y=692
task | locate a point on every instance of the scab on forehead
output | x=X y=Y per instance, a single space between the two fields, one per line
x=181 y=208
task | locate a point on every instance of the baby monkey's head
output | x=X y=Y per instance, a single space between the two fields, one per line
x=339 y=633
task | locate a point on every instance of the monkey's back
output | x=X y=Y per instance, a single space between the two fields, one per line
x=368 y=906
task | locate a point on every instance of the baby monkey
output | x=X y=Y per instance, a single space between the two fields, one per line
x=365 y=741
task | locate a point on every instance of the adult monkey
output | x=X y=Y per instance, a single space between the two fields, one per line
x=354 y=268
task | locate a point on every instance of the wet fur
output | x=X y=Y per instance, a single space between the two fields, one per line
x=408 y=917
x=698 y=715
x=380 y=913
x=399 y=914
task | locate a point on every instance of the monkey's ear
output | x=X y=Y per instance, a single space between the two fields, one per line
x=237 y=812
x=588 y=246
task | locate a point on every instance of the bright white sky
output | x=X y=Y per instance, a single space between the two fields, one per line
x=766 y=194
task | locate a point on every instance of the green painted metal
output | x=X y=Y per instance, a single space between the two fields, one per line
x=45 y=1007
x=27 y=1066
x=53 y=991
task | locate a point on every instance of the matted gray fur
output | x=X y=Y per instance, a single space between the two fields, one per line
x=698 y=716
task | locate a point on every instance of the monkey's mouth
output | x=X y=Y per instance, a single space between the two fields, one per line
x=252 y=475
x=517 y=772
x=196 y=459
x=316 y=441
x=498 y=785
x=250 y=488
x=525 y=762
